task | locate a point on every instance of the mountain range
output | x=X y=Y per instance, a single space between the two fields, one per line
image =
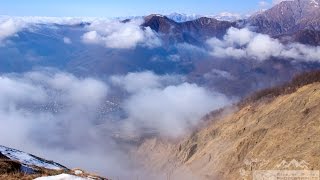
x=297 y=19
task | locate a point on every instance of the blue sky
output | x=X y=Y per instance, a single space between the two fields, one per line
x=112 y=8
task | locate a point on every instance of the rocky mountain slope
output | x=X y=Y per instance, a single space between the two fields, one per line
x=194 y=32
x=288 y=17
x=274 y=127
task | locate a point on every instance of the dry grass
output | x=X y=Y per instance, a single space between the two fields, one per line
x=19 y=176
x=10 y=170
x=9 y=166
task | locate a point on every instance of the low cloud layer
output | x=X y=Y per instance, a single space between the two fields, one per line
x=173 y=110
x=136 y=82
x=243 y=43
x=9 y=27
x=53 y=115
x=67 y=40
x=58 y=105
x=165 y=105
x=111 y=33
x=115 y=34
x=69 y=119
x=49 y=20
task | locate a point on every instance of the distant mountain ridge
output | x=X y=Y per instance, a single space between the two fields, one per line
x=224 y=16
x=297 y=21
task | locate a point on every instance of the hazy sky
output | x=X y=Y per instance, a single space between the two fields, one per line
x=111 y=8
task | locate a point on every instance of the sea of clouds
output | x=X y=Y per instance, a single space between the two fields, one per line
x=61 y=116
x=55 y=114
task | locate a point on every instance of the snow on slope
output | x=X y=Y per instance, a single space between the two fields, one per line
x=61 y=177
x=29 y=160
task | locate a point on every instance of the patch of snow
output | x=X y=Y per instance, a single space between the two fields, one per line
x=78 y=172
x=159 y=15
x=61 y=177
x=28 y=159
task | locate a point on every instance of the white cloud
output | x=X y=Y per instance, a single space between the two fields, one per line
x=165 y=105
x=42 y=112
x=107 y=32
x=138 y=81
x=115 y=34
x=50 y=113
x=243 y=43
x=9 y=27
x=134 y=82
x=92 y=37
x=67 y=40
x=263 y=47
x=18 y=91
x=50 y=20
x=173 y=110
